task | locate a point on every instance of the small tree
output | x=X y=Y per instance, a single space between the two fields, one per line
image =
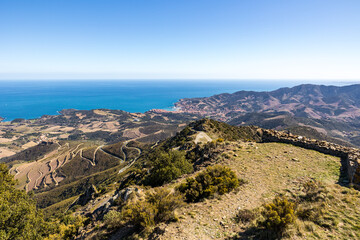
x=19 y=218
x=168 y=166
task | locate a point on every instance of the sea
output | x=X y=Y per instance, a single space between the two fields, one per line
x=31 y=99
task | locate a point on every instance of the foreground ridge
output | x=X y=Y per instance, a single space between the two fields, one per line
x=350 y=156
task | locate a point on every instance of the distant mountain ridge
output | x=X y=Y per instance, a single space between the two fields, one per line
x=331 y=110
x=315 y=101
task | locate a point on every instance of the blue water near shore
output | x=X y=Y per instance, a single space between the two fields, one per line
x=32 y=99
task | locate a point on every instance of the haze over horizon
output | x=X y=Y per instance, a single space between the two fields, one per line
x=205 y=39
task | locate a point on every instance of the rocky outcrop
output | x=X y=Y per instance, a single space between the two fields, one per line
x=349 y=155
x=121 y=196
x=88 y=195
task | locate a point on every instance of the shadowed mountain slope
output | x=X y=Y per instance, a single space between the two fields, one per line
x=330 y=110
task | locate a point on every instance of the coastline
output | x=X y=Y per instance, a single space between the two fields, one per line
x=33 y=99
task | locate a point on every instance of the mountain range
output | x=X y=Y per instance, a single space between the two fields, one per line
x=322 y=111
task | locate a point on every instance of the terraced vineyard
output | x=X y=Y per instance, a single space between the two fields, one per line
x=46 y=172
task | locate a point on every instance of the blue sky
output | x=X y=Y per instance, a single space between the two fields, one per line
x=185 y=39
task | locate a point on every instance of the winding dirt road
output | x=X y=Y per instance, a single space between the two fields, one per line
x=133 y=161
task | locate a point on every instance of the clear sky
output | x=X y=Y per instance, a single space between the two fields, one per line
x=194 y=39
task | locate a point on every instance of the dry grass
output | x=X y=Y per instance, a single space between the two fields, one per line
x=269 y=169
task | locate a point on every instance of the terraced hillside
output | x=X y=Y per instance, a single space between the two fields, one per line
x=101 y=125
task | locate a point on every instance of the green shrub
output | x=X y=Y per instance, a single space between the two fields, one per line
x=141 y=214
x=278 y=215
x=214 y=180
x=69 y=227
x=113 y=219
x=165 y=203
x=167 y=166
x=311 y=212
x=158 y=206
x=19 y=218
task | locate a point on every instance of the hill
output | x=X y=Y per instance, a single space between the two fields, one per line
x=329 y=110
x=211 y=180
x=100 y=126
x=267 y=164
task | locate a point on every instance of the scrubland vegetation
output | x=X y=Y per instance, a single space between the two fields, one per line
x=226 y=188
x=214 y=180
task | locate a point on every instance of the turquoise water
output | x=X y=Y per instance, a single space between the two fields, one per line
x=32 y=99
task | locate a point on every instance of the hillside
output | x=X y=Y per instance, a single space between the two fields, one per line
x=264 y=169
x=329 y=110
x=100 y=126
x=209 y=181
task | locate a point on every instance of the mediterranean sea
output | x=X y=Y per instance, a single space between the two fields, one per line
x=32 y=99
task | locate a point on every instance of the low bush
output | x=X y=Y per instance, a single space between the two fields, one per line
x=276 y=216
x=244 y=216
x=313 y=191
x=68 y=227
x=214 y=180
x=141 y=214
x=158 y=206
x=113 y=219
x=165 y=203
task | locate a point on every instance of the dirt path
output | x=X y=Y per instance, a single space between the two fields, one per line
x=73 y=151
x=36 y=181
x=54 y=179
x=138 y=149
x=97 y=149
x=120 y=159
x=27 y=185
x=88 y=159
x=16 y=171
x=122 y=149
x=133 y=161
x=157 y=143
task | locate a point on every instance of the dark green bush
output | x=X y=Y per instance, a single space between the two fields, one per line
x=179 y=139
x=167 y=166
x=214 y=180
